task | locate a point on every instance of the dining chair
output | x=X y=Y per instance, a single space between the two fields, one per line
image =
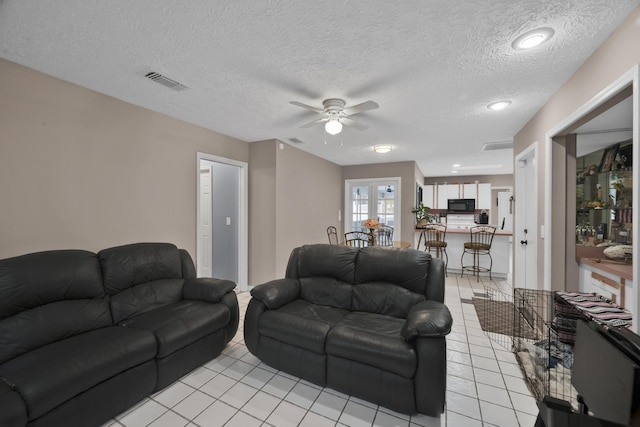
x=384 y=236
x=332 y=234
x=357 y=239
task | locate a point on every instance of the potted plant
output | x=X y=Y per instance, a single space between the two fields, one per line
x=423 y=215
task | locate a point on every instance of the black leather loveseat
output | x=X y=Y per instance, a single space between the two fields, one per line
x=85 y=336
x=369 y=322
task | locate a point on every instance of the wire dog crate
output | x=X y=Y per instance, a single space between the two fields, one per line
x=529 y=320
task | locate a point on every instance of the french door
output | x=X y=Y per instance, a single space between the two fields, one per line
x=372 y=199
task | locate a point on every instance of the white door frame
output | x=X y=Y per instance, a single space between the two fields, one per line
x=529 y=154
x=348 y=217
x=243 y=210
x=630 y=78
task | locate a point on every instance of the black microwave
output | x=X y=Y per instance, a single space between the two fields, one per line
x=461 y=205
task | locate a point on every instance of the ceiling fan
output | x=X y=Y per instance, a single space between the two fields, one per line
x=334 y=114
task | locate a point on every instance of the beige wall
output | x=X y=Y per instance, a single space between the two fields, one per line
x=409 y=175
x=262 y=211
x=617 y=55
x=83 y=170
x=294 y=197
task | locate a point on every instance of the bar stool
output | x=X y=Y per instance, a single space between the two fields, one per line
x=480 y=244
x=434 y=238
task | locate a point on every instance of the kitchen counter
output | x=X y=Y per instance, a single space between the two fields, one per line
x=624 y=271
x=464 y=229
x=594 y=257
x=501 y=252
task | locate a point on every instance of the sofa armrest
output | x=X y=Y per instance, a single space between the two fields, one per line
x=277 y=293
x=12 y=409
x=206 y=289
x=427 y=319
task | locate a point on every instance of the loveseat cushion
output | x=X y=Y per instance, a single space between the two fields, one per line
x=375 y=340
x=384 y=298
x=182 y=323
x=50 y=375
x=404 y=267
x=326 y=273
x=301 y=323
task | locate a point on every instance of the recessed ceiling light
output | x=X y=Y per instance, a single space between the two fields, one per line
x=455 y=166
x=499 y=105
x=532 y=38
x=454 y=171
x=382 y=148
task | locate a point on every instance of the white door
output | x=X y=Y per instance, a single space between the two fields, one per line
x=204 y=254
x=379 y=199
x=525 y=236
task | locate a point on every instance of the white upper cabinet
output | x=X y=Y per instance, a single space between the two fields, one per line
x=484 y=196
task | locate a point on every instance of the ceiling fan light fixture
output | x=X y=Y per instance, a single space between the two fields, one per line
x=382 y=148
x=333 y=127
x=532 y=38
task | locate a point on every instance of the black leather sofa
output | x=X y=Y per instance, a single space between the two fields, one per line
x=368 y=322
x=84 y=336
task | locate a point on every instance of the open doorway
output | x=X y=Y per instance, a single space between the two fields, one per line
x=561 y=266
x=222 y=219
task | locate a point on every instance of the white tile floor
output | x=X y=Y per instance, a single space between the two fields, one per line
x=484 y=386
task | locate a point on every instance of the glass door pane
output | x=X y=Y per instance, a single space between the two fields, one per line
x=360 y=206
x=385 y=206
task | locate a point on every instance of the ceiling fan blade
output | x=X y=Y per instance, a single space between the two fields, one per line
x=350 y=122
x=313 y=123
x=361 y=108
x=308 y=107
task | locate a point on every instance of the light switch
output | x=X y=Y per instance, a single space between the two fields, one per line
x=228 y=220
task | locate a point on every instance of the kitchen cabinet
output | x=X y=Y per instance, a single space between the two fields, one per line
x=469 y=191
x=484 y=196
x=446 y=192
x=436 y=196
x=427 y=196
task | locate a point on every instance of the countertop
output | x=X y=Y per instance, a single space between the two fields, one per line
x=621 y=270
x=595 y=257
x=464 y=229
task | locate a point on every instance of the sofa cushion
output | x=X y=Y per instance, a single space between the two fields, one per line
x=39 y=278
x=384 y=298
x=404 y=267
x=72 y=317
x=129 y=265
x=34 y=288
x=326 y=291
x=301 y=323
x=375 y=340
x=50 y=375
x=145 y=297
x=182 y=323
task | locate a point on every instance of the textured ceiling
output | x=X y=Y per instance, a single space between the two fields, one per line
x=433 y=66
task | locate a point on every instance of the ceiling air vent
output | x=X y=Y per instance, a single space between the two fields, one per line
x=163 y=80
x=506 y=145
x=296 y=140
